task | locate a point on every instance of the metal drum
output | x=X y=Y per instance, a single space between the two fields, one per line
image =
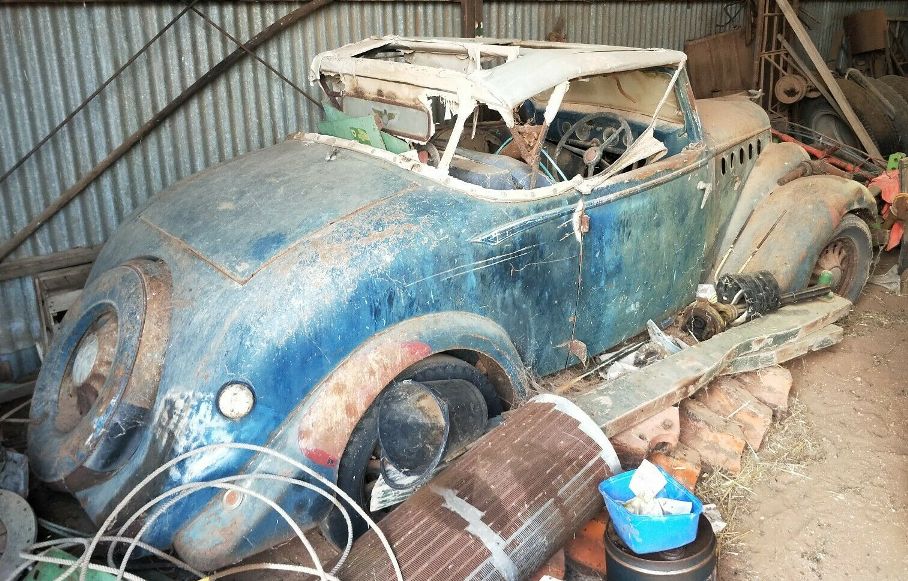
x=694 y=562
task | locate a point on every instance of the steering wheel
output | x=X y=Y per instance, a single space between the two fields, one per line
x=616 y=138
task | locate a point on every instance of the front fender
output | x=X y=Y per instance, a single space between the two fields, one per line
x=317 y=430
x=790 y=227
x=775 y=161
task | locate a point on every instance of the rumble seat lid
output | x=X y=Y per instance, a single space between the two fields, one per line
x=242 y=214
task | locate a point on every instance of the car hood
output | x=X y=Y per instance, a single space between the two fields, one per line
x=240 y=215
x=731 y=120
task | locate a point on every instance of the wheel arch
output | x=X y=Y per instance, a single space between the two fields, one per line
x=316 y=431
x=774 y=161
x=790 y=227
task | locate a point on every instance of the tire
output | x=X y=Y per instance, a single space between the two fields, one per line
x=352 y=471
x=93 y=400
x=872 y=116
x=850 y=249
x=818 y=115
x=899 y=84
x=899 y=112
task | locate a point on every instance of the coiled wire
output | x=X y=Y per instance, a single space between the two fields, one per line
x=327 y=489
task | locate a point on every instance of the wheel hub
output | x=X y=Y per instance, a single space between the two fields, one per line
x=839 y=260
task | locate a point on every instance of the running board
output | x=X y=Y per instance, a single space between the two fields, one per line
x=785 y=334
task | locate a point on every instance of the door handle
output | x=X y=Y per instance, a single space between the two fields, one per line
x=707 y=189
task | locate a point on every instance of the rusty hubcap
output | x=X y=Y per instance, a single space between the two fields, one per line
x=840 y=259
x=88 y=371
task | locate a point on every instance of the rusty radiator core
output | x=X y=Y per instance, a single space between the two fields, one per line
x=503 y=508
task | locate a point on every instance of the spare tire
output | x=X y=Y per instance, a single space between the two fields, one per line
x=872 y=115
x=818 y=115
x=900 y=84
x=899 y=117
x=92 y=402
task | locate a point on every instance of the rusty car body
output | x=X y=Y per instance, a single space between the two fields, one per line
x=313 y=273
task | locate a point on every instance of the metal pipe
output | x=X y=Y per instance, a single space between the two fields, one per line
x=820 y=154
x=502 y=508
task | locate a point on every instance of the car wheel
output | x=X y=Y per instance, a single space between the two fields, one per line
x=847 y=257
x=899 y=111
x=359 y=468
x=818 y=115
x=900 y=84
x=870 y=111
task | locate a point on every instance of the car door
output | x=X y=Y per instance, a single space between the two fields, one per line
x=644 y=249
x=527 y=275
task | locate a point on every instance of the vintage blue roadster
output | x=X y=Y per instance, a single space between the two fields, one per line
x=473 y=210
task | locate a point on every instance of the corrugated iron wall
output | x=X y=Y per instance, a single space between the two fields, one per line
x=53 y=56
x=828 y=15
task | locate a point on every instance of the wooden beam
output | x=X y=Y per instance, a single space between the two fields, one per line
x=470 y=18
x=36 y=264
x=831 y=84
x=624 y=402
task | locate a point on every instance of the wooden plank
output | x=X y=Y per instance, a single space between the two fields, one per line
x=831 y=84
x=719 y=64
x=816 y=341
x=619 y=404
x=37 y=264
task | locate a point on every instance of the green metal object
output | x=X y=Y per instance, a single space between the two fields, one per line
x=49 y=571
x=362 y=129
x=825 y=279
x=893 y=162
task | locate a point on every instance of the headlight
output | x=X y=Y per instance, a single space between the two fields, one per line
x=235 y=400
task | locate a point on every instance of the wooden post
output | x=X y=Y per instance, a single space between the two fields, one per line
x=471 y=18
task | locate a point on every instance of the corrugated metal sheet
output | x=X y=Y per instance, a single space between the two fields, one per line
x=52 y=56
x=647 y=24
x=828 y=16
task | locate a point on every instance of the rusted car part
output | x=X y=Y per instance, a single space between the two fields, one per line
x=811 y=168
x=774 y=161
x=321 y=425
x=19 y=527
x=837 y=154
x=789 y=332
x=775 y=238
x=420 y=425
x=501 y=509
x=93 y=400
x=697 y=561
x=742 y=297
x=115 y=154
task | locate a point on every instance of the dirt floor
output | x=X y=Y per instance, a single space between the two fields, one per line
x=829 y=498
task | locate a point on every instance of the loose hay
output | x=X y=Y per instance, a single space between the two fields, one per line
x=789 y=445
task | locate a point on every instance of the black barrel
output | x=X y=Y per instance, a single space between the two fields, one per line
x=696 y=561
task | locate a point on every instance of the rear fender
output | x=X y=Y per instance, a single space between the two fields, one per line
x=790 y=227
x=317 y=430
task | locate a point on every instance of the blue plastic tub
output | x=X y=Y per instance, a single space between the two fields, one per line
x=649 y=534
